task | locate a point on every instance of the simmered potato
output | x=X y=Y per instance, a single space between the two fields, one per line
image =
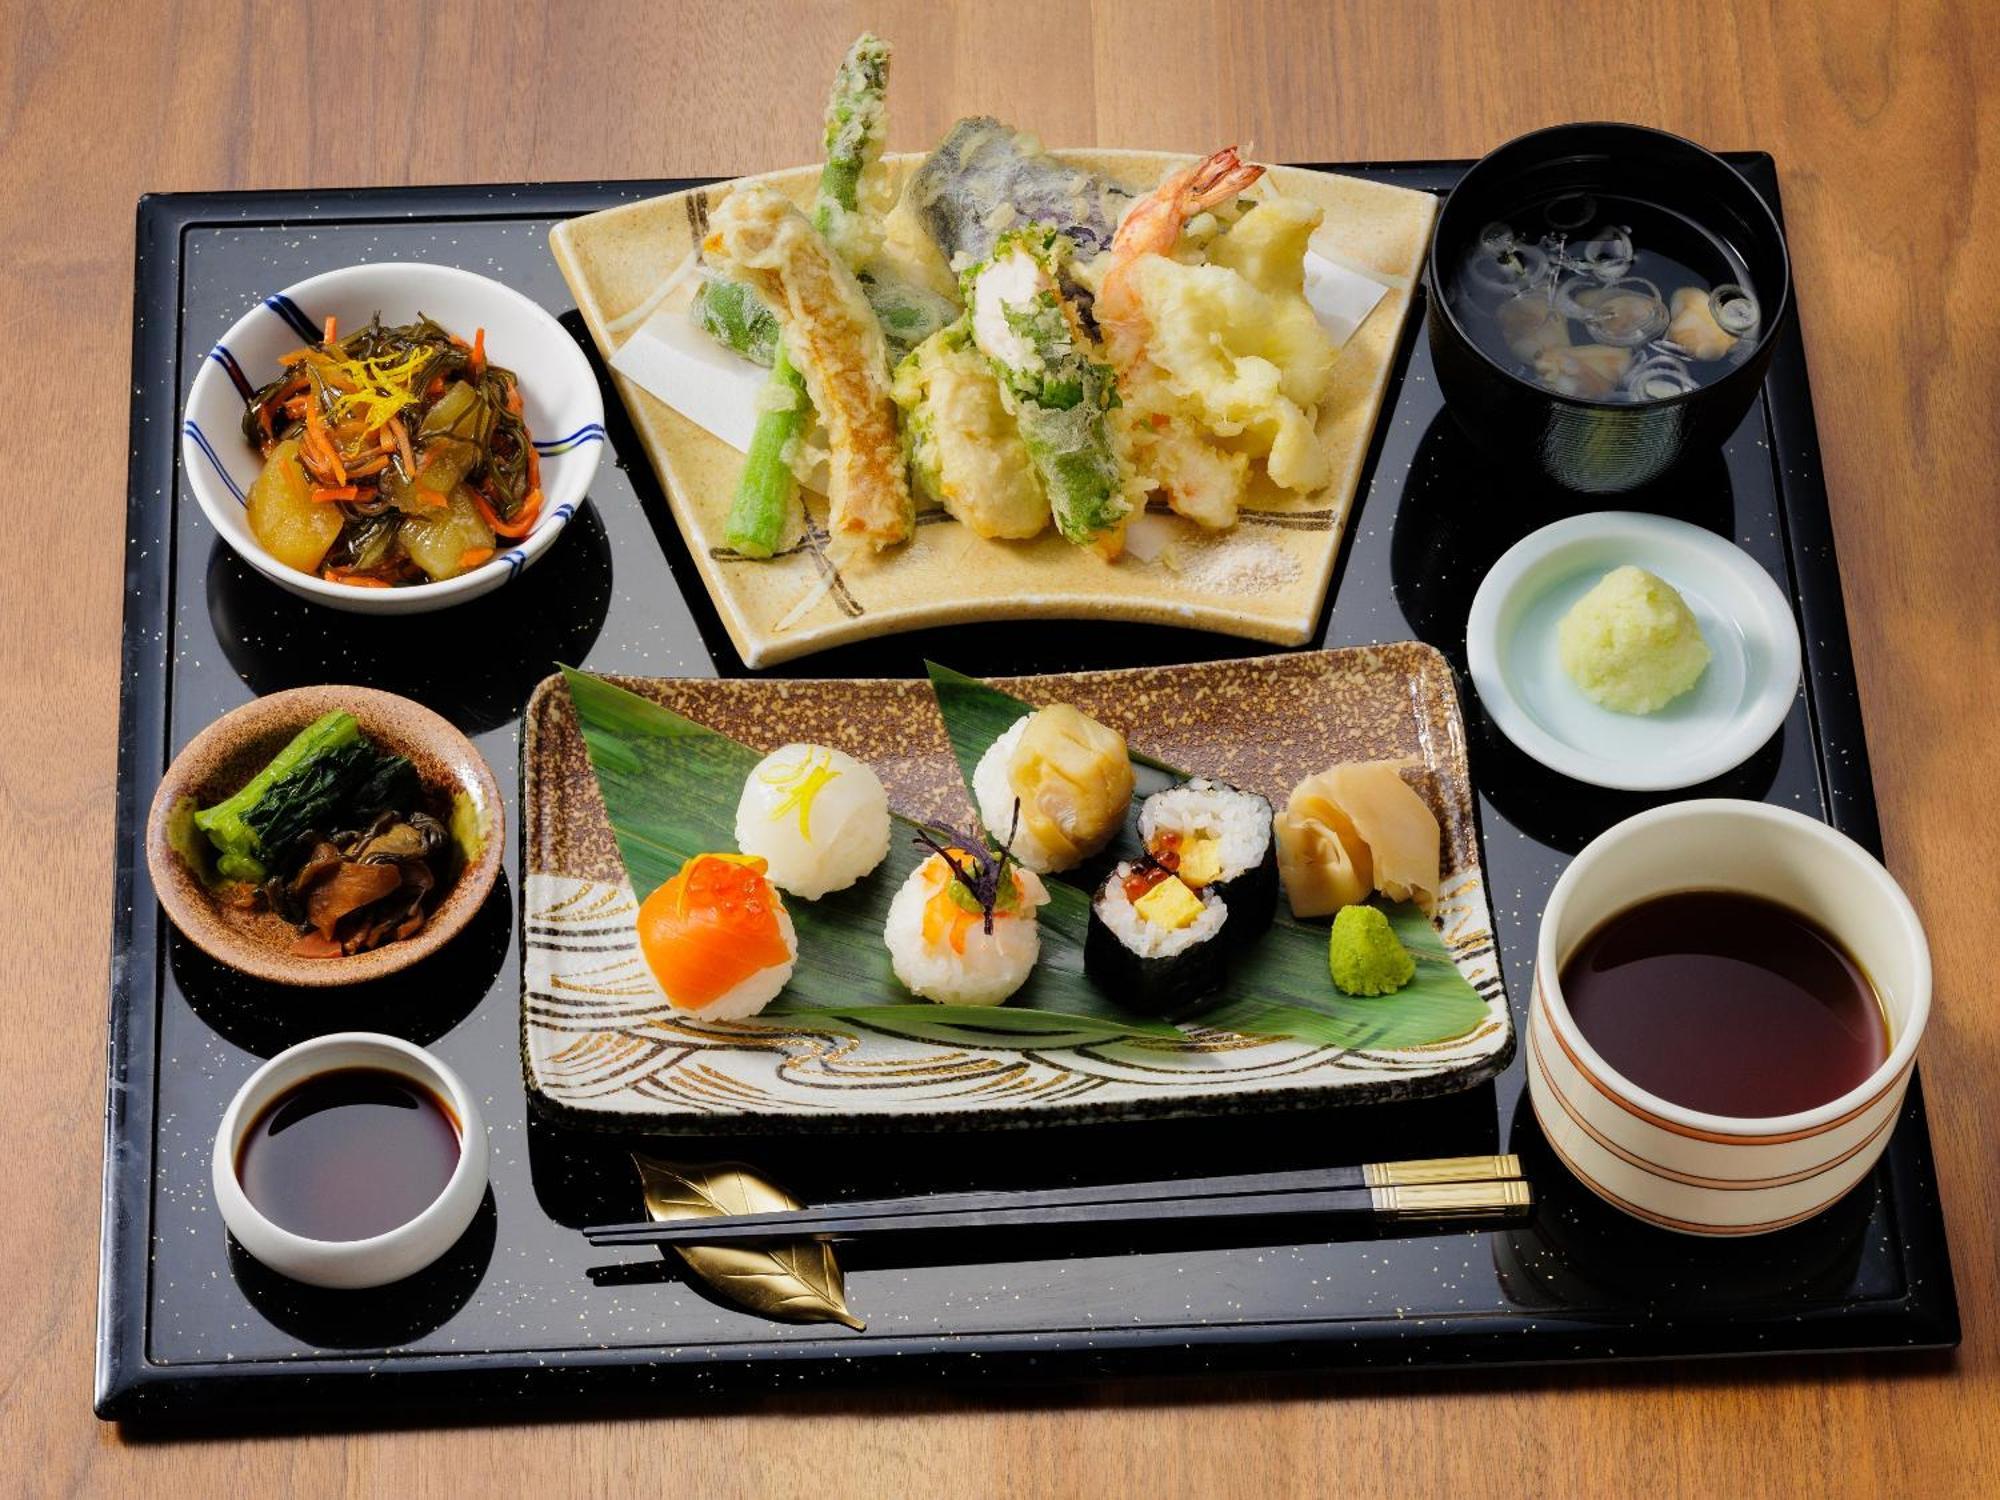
x=439 y=541
x=284 y=518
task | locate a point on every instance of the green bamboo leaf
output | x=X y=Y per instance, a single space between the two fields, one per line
x=670 y=788
x=1281 y=986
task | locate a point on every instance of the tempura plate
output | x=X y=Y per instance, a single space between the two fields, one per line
x=1266 y=579
x=601 y=1047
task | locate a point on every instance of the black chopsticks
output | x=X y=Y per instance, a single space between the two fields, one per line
x=1435 y=1188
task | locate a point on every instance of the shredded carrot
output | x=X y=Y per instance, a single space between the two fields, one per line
x=296 y=407
x=374 y=465
x=478 y=359
x=332 y=329
x=435 y=389
x=524 y=519
x=534 y=468
x=297 y=356
x=329 y=494
x=357 y=580
x=472 y=557
x=514 y=398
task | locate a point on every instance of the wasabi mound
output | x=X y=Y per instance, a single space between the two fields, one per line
x=1631 y=643
x=1366 y=956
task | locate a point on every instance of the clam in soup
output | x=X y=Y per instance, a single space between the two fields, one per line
x=1604 y=298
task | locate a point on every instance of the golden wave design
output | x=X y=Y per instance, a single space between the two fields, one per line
x=652 y=1057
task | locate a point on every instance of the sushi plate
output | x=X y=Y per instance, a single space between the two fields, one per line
x=600 y=1047
x=1265 y=579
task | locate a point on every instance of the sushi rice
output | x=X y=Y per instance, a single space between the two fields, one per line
x=816 y=816
x=751 y=995
x=1240 y=822
x=993 y=965
x=1083 y=829
x=993 y=790
x=1145 y=939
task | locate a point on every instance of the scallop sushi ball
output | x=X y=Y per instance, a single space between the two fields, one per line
x=961 y=943
x=717 y=938
x=1072 y=779
x=816 y=816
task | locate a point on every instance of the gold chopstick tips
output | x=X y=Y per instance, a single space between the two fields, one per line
x=1434 y=1169
x=1443 y=1200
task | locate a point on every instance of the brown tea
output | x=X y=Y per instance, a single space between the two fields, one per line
x=348 y=1154
x=1726 y=1003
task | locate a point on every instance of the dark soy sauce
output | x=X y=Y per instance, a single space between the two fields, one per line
x=1726 y=1003
x=348 y=1154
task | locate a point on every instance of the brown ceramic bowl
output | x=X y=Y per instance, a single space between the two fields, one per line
x=235 y=747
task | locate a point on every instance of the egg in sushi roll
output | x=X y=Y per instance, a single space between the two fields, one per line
x=961 y=931
x=816 y=816
x=1215 y=838
x=1071 y=777
x=1156 y=944
x=717 y=937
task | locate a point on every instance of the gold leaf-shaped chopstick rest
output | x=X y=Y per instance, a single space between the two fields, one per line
x=796 y=1281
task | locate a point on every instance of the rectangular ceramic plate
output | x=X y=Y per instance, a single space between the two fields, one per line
x=602 y=1048
x=1265 y=579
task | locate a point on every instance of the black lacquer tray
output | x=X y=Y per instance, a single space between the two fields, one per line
x=523 y=1311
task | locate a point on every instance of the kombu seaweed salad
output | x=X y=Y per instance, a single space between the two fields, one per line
x=393 y=455
x=333 y=835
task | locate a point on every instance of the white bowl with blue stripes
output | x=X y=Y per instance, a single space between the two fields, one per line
x=559 y=397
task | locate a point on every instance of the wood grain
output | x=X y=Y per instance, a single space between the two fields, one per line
x=1882 y=117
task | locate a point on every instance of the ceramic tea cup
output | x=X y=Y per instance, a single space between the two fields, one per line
x=1681 y=1168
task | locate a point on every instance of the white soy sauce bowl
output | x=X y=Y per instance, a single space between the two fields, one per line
x=380 y=1259
x=1739 y=703
x=559 y=400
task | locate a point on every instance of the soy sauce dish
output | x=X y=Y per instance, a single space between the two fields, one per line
x=1728 y=1001
x=350 y=1161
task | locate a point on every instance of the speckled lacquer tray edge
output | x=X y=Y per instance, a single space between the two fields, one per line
x=600 y=1049
x=808 y=602
x=225 y=1396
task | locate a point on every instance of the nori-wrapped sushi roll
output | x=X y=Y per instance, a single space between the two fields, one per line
x=964 y=190
x=1154 y=945
x=1218 y=839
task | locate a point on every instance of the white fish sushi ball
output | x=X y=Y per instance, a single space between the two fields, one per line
x=993 y=790
x=750 y=995
x=816 y=816
x=993 y=966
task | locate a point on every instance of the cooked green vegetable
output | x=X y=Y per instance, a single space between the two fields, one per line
x=236 y=842
x=738 y=319
x=855 y=121
x=329 y=777
x=763 y=503
x=908 y=313
x=341 y=789
x=1056 y=391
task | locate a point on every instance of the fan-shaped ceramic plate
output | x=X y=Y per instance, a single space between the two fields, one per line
x=601 y=1047
x=1265 y=579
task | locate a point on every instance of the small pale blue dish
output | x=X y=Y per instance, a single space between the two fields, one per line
x=1739 y=703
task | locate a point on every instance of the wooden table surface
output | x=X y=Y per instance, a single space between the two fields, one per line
x=1885 y=122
